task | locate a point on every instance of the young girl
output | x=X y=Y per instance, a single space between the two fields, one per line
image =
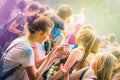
x=100 y=69
x=88 y=43
x=21 y=52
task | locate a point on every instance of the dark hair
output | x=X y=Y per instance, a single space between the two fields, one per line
x=34 y=6
x=58 y=23
x=21 y=5
x=42 y=9
x=38 y=22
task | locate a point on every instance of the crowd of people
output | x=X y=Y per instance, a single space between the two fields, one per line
x=39 y=43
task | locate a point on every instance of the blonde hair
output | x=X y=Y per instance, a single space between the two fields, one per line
x=87 y=39
x=103 y=63
x=116 y=53
x=84 y=36
x=88 y=26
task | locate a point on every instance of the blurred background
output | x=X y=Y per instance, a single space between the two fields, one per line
x=104 y=15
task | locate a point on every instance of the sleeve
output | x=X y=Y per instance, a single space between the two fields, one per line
x=28 y=57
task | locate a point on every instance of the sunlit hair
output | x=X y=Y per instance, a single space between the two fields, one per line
x=64 y=11
x=103 y=65
x=87 y=39
x=88 y=26
x=38 y=23
x=116 y=53
x=96 y=45
x=84 y=36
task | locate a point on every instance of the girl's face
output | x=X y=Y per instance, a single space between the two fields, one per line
x=44 y=36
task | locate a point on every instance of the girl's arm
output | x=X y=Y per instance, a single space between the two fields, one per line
x=74 y=56
x=13 y=28
x=76 y=75
x=37 y=52
x=36 y=74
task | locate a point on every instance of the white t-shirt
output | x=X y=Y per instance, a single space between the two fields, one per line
x=23 y=54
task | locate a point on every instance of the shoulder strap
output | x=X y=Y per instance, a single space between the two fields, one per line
x=11 y=71
x=7 y=50
x=83 y=73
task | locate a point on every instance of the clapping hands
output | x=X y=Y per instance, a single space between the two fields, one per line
x=60 y=52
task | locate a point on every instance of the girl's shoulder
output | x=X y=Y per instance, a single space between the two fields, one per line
x=89 y=75
x=77 y=53
x=77 y=50
x=20 y=43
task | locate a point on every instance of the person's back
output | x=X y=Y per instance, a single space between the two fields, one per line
x=16 y=56
x=86 y=39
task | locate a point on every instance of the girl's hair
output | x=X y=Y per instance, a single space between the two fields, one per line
x=103 y=63
x=64 y=11
x=116 y=53
x=21 y=5
x=96 y=45
x=112 y=37
x=42 y=9
x=88 y=26
x=33 y=6
x=38 y=23
x=58 y=23
x=87 y=39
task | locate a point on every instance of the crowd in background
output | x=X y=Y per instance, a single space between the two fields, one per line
x=39 y=43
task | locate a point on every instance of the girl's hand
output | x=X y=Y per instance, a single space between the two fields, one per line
x=62 y=51
x=65 y=71
x=63 y=68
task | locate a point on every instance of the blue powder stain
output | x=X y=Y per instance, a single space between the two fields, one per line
x=29 y=51
x=42 y=46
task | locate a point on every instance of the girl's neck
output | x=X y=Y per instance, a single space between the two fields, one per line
x=27 y=38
